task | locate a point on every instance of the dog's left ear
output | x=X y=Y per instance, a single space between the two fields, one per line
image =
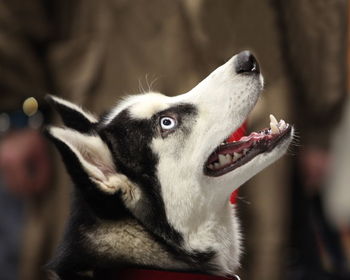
x=93 y=156
x=72 y=115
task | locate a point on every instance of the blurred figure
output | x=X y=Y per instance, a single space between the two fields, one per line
x=314 y=44
x=25 y=172
x=25 y=162
x=336 y=191
x=31 y=205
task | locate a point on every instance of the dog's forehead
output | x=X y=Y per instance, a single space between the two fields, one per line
x=142 y=106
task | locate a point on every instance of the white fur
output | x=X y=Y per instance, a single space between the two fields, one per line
x=142 y=106
x=197 y=205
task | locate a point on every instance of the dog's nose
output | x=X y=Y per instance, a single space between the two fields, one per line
x=246 y=63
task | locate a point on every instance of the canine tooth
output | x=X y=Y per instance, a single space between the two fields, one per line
x=210 y=166
x=217 y=165
x=236 y=156
x=274 y=128
x=273 y=119
x=245 y=151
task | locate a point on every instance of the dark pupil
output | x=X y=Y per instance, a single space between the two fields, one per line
x=167 y=122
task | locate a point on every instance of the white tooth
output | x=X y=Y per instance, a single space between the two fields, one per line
x=210 y=166
x=274 y=128
x=236 y=156
x=282 y=124
x=222 y=160
x=228 y=158
x=273 y=119
x=217 y=165
x=245 y=151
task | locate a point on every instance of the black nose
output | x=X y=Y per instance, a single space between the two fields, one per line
x=246 y=63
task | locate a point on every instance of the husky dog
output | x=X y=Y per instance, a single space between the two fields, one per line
x=153 y=177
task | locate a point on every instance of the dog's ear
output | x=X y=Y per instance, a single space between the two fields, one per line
x=87 y=155
x=72 y=115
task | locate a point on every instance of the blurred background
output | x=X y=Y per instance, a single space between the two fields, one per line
x=295 y=214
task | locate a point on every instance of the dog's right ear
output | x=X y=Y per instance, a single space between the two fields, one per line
x=72 y=115
x=87 y=156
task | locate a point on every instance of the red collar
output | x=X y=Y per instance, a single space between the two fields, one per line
x=148 y=274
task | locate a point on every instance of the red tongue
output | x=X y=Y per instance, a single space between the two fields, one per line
x=238 y=134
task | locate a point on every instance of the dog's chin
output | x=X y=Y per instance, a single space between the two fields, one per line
x=268 y=144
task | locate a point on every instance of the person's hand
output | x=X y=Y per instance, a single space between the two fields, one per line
x=24 y=162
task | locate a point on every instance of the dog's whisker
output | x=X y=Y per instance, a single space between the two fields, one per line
x=141 y=89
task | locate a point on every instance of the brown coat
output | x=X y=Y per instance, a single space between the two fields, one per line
x=94 y=52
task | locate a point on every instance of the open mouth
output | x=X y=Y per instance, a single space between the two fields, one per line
x=231 y=155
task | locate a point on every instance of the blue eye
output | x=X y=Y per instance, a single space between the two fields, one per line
x=167 y=123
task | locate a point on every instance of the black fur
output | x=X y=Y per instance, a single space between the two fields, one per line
x=129 y=142
x=70 y=117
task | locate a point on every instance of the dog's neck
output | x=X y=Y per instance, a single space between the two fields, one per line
x=132 y=244
x=205 y=219
x=213 y=230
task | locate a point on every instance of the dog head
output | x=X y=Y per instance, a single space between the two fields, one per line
x=167 y=158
